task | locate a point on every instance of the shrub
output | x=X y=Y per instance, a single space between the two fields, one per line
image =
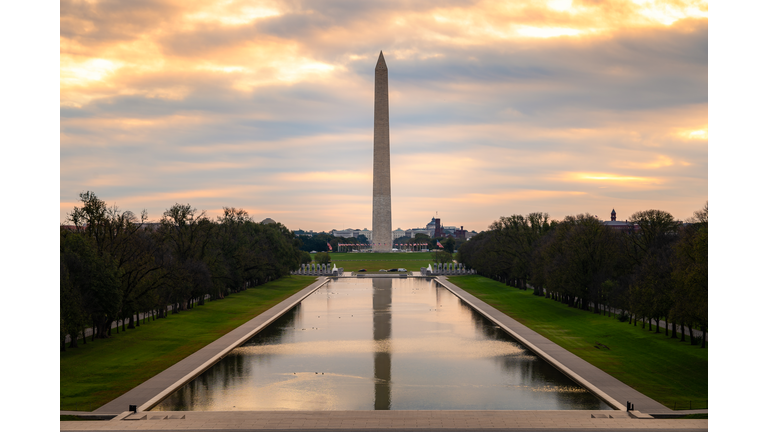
x=322 y=258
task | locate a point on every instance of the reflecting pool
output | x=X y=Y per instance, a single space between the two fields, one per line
x=381 y=344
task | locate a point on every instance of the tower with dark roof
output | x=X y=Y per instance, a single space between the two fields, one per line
x=613 y=215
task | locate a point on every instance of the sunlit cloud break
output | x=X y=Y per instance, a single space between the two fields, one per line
x=603 y=177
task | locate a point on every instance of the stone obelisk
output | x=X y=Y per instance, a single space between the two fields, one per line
x=382 y=194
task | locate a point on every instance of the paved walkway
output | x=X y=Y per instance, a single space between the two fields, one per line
x=370 y=421
x=156 y=388
x=609 y=389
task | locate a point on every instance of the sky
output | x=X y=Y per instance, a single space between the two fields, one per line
x=496 y=108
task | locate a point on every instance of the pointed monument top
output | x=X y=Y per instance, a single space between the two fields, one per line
x=381 y=64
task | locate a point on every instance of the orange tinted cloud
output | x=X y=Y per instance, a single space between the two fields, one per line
x=268 y=105
x=605 y=177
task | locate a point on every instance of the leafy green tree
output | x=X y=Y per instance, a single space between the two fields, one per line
x=442 y=256
x=449 y=243
x=657 y=228
x=484 y=255
x=649 y=275
x=516 y=238
x=186 y=237
x=652 y=284
x=119 y=235
x=267 y=252
x=690 y=274
x=578 y=258
x=91 y=280
x=318 y=242
x=335 y=241
x=234 y=216
x=186 y=259
x=231 y=252
x=72 y=316
x=421 y=238
x=322 y=258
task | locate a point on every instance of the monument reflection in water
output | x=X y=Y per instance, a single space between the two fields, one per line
x=379 y=343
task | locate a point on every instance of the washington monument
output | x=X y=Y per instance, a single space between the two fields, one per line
x=382 y=194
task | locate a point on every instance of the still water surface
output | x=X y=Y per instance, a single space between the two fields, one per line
x=383 y=344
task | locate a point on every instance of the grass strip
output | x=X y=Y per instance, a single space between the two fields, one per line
x=98 y=372
x=667 y=370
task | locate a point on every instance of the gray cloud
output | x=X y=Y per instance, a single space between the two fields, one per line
x=113 y=20
x=509 y=107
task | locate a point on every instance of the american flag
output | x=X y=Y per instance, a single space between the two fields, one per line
x=329 y=246
x=438 y=244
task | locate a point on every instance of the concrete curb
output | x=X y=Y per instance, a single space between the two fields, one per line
x=546 y=357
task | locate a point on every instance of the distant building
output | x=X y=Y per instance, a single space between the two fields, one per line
x=268 y=221
x=435 y=229
x=449 y=231
x=353 y=233
x=302 y=233
x=346 y=233
x=411 y=233
x=625 y=226
x=438 y=228
x=460 y=233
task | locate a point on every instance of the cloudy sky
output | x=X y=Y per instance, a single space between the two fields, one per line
x=496 y=108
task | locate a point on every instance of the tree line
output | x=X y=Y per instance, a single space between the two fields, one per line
x=319 y=242
x=655 y=272
x=114 y=265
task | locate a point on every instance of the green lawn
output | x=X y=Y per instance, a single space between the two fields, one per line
x=411 y=261
x=666 y=370
x=95 y=373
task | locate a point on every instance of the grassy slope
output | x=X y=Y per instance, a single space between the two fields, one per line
x=660 y=367
x=412 y=261
x=95 y=373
